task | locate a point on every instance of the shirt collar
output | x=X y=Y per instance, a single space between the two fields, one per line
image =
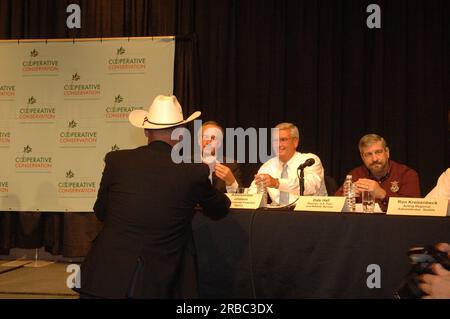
x=290 y=162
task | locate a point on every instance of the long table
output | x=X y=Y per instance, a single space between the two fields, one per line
x=285 y=254
x=265 y=254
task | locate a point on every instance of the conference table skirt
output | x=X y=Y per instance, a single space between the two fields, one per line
x=265 y=254
x=283 y=254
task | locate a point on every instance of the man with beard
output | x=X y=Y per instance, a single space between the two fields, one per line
x=381 y=175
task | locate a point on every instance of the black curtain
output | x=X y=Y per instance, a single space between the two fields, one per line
x=36 y=19
x=254 y=63
x=317 y=64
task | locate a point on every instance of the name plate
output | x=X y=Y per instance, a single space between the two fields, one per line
x=244 y=201
x=417 y=206
x=320 y=204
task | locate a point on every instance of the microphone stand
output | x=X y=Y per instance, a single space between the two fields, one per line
x=301 y=180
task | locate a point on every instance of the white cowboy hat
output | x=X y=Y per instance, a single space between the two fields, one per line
x=164 y=112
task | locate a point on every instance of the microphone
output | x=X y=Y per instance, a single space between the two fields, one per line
x=307 y=163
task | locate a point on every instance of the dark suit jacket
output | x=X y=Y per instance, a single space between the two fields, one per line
x=146 y=248
x=220 y=184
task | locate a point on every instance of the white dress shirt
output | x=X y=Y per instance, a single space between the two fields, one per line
x=442 y=188
x=313 y=177
x=211 y=162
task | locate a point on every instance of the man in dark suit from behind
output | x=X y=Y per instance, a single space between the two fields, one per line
x=146 y=248
x=225 y=173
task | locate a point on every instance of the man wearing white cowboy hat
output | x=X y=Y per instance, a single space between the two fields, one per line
x=146 y=201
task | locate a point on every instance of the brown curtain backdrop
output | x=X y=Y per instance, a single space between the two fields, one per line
x=255 y=63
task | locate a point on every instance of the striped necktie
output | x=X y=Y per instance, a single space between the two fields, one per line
x=284 y=196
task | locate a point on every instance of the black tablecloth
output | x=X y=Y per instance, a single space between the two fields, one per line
x=280 y=254
x=263 y=254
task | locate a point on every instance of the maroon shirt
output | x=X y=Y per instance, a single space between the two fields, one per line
x=400 y=181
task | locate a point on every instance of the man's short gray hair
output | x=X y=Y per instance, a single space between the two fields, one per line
x=291 y=127
x=167 y=130
x=370 y=139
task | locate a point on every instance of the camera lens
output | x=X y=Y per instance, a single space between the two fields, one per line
x=421 y=259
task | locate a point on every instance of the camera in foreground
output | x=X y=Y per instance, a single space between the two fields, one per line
x=421 y=259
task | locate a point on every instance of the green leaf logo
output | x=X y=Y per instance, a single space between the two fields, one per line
x=115 y=148
x=70 y=174
x=31 y=100
x=75 y=77
x=27 y=149
x=34 y=53
x=73 y=124
x=118 y=99
x=120 y=51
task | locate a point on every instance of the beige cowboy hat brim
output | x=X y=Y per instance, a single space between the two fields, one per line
x=164 y=112
x=140 y=118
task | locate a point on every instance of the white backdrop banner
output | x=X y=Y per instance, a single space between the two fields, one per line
x=63 y=106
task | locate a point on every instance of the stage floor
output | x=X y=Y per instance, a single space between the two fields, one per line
x=20 y=281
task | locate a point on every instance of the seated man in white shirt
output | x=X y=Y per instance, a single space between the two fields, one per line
x=225 y=173
x=442 y=188
x=279 y=174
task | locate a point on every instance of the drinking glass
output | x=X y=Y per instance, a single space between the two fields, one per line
x=368 y=201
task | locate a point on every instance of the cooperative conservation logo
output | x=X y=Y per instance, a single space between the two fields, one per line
x=36 y=65
x=119 y=112
x=4 y=188
x=124 y=63
x=35 y=112
x=76 y=186
x=28 y=162
x=77 y=138
x=78 y=89
x=7 y=92
x=5 y=139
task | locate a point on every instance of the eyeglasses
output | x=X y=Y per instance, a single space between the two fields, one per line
x=376 y=152
x=283 y=139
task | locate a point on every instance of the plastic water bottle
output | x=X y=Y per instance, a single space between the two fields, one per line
x=349 y=193
x=262 y=189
